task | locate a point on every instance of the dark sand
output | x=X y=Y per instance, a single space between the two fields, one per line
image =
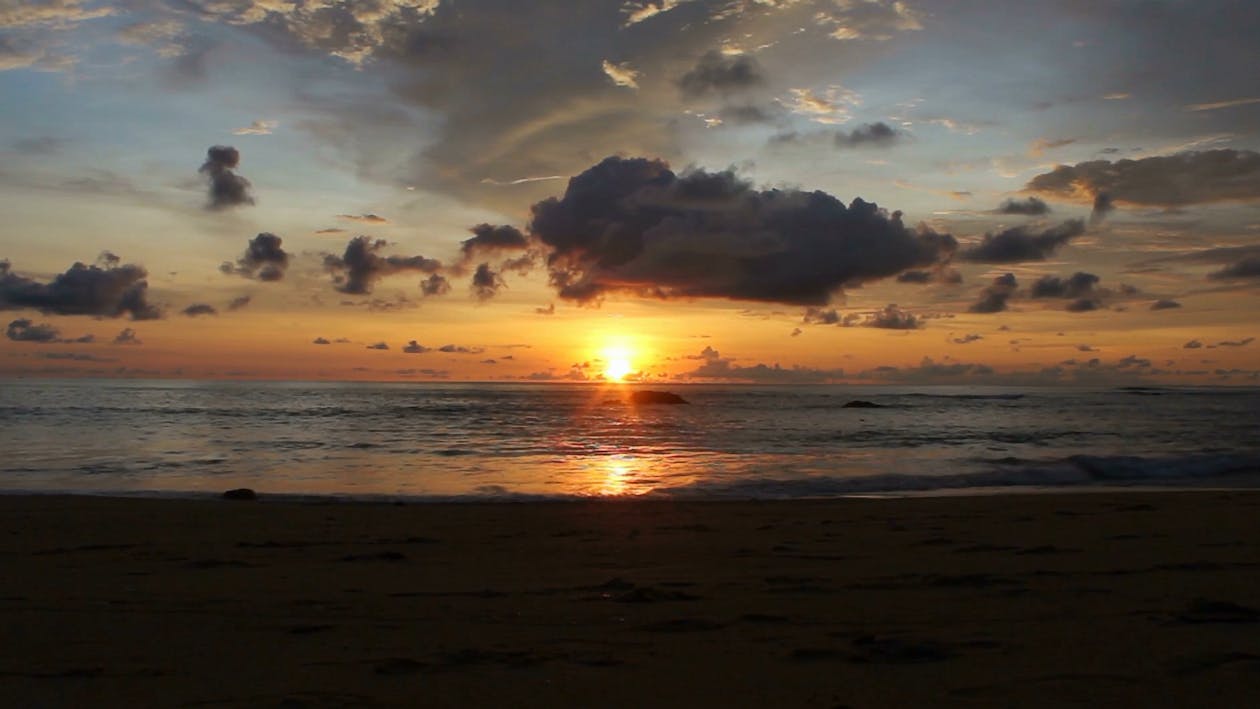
x=1035 y=600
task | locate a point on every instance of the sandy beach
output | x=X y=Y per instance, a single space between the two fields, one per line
x=1146 y=599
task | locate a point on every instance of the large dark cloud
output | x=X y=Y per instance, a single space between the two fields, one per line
x=718 y=73
x=264 y=259
x=868 y=135
x=1023 y=243
x=1029 y=207
x=994 y=297
x=1167 y=180
x=227 y=189
x=632 y=225
x=360 y=266
x=107 y=289
x=1245 y=269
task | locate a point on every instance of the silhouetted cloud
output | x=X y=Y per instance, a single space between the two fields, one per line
x=364 y=218
x=26 y=331
x=1193 y=345
x=1236 y=343
x=127 y=336
x=264 y=259
x=1244 y=269
x=485 y=282
x=632 y=225
x=869 y=134
x=718 y=73
x=1103 y=205
x=1167 y=180
x=893 y=318
x=967 y=339
x=239 y=302
x=227 y=189
x=940 y=274
x=378 y=346
x=491 y=239
x=320 y=341
x=108 y=289
x=358 y=269
x=1023 y=243
x=414 y=347
x=198 y=309
x=1029 y=207
x=1078 y=285
x=435 y=284
x=994 y=297
x=460 y=349
x=549 y=310
x=715 y=366
x=1165 y=304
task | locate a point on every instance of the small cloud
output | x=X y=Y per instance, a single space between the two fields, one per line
x=622 y=74
x=257 y=128
x=127 y=337
x=1222 y=104
x=436 y=284
x=227 y=189
x=333 y=230
x=199 y=309
x=239 y=302
x=966 y=339
x=1193 y=345
x=320 y=341
x=1165 y=304
x=1028 y=207
x=1236 y=343
x=364 y=218
x=549 y=310
x=414 y=347
x=720 y=73
x=26 y=331
x=994 y=297
x=378 y=346
x=460 y=349
x=485 y=282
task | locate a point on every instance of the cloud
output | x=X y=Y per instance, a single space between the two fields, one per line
x=715 y=366
x=632 y=225
x=870 y=134
x=941 y=274
x=321 y=341
x=264 y=259
x=199 y=309
x=929 y=370
x=1246 y=268
x=227 y=189
x=716 y=72
x=488 y=239
x=1236 y=343
x=877 y=20
x=332 y=230
x=621 y=74
x=378 y=346
x=358 y=269
x=414 y=347
x=967 y=339
x=1029 y=207
x=1222 y=104
x=257 y=128
x=485 y=282
x=127 y=336
x=435 y=285
x=1022 y=243
x=1193 y=345
x=994 y=297
x=1078 y=285
x=364 y=218
x=830 y=107
x=239 y=302
x=26 y=331
x=549 y=310
x=460 y=349
x=1195 y=177
x=107 y=289
x=1041 y=145
x=1103 y=205
x=893 y=318
x=1165 y=304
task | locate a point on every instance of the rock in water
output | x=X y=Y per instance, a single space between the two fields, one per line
x=240 y=493
x=656 y=397
x=859 y=404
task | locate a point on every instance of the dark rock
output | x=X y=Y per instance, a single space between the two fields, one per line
x=648 y=396
x=240 y=493
x=859 y=404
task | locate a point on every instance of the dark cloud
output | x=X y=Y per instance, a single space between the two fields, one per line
x=967 y=339
x=414 y=347
x=358 y=269
x=491 y=239
x=364 y=218
x=460 y=349
x=1166 y=180
x=239 y=302
x=1078 y=285
x=718 y=73
x=1023 y=243
x=715 y=366
x=868 y=135
x=893 y=318
x=549 y=310
x=748 y=114
x=485 y=282
x=26 y=331
x=1193 y=345
x=197 y=309
x=632 y=225
x=1246 y=268
x=435 y=284
x=940 y=274
x=1083 y=305
x=1103 y=205
x=1165 y=304
x=264 y=259
x=1236 y=343
x=930 y=370
x=1029 y=207
x=109 y=289
x=227 y=189
x=127 y=336
x=320 y=341
x=378 y=346
x=819 y=316
x=994 y=297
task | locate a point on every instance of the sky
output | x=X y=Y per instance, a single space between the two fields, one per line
x=769 y=191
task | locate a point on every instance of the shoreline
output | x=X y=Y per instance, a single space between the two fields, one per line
x=1144 y=598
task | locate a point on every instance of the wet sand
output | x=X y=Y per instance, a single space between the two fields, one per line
x=1146 y=599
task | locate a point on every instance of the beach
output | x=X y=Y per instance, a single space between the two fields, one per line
x=1108 y=598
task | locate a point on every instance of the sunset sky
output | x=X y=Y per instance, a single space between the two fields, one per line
x=1067 y=191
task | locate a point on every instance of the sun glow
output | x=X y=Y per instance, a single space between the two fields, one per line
x=618 y=363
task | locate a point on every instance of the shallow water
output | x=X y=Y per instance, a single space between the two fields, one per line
x=517 y=440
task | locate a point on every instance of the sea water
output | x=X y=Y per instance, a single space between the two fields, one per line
x=525 y=441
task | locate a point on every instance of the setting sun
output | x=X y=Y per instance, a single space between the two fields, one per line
x=617 y=363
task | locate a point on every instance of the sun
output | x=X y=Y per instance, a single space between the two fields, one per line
x=617 y=363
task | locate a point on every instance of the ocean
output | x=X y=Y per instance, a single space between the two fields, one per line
x=452 y=442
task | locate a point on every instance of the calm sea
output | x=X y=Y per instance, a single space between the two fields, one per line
x=505 y=441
